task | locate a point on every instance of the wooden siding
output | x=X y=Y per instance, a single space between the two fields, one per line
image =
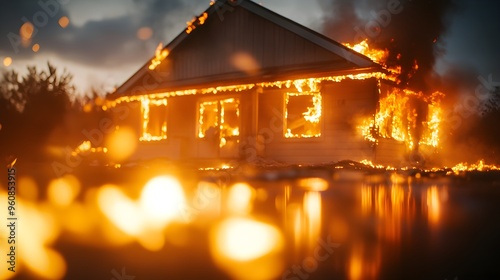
x=344 y=105
x=208 y=51
x=390 y=152
x=181 y=123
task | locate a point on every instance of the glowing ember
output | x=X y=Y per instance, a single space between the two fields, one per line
x=195 y=22
x=479 y=166
x=370 y=163
x=84 y=146
x=160 y=55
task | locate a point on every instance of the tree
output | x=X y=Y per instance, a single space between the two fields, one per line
x=31 y=107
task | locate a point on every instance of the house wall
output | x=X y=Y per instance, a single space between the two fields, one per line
x=390 y=152
x=182 y=124
x=242 y=45
x=248 y=110
x=345 y=104
x=181 y=116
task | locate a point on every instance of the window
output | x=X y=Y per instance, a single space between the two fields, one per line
x=219 y=120
x=154 y=119
x=209 y=119
x=302 y=115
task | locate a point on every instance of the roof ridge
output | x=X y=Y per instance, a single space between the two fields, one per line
x=300 y=30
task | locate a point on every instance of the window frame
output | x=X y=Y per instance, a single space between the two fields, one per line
x=321 y=124
x=145 y=136
x=219 y=100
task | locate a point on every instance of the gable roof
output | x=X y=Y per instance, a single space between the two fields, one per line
x=239 y=42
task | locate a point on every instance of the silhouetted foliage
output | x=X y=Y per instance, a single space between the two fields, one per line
x=31 y=107
x=492 y=104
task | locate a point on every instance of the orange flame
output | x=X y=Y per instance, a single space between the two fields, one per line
x=195 y=22
x=379 y=56
x=479 y=166
x=396 y=119
x=160 y=55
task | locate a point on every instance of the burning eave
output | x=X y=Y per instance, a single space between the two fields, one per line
x=407 y=116
x=222 y=87
x=226 y=82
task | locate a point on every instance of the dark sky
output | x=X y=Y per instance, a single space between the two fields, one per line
x=474 y=37
x=101 y=46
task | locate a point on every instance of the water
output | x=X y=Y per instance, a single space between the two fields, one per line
x=394 y=227
x=331 y=225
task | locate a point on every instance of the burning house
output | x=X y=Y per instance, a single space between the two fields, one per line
x=242 y=82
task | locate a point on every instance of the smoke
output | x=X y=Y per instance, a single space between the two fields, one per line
x=410 y=29
x=341 y=19
x=417 y=32
x=471 y=111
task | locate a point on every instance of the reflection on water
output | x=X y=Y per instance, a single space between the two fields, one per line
x=346 y=226
x=393 y=210
x=247 y=249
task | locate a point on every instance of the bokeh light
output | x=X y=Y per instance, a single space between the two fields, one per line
x=247 y=248
x=121 y=144
x=7 y=61
x=240 y=198
x=29 y=191
x=144 y=33
x=37 y=229
x=162 y=200
x=37 y=254
x=120 y=210
x=243 y=239
x=312 y=213
x=26 y=31
x=62 y=191
x=433 y=204
x=35 y=48
x=313 y=184
x=245 y=62
x=63 y=21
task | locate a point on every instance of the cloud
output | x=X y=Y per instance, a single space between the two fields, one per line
x=474 y=38
x=44 y=16
x=102 y=43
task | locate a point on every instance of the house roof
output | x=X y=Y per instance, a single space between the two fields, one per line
x=240 y=41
